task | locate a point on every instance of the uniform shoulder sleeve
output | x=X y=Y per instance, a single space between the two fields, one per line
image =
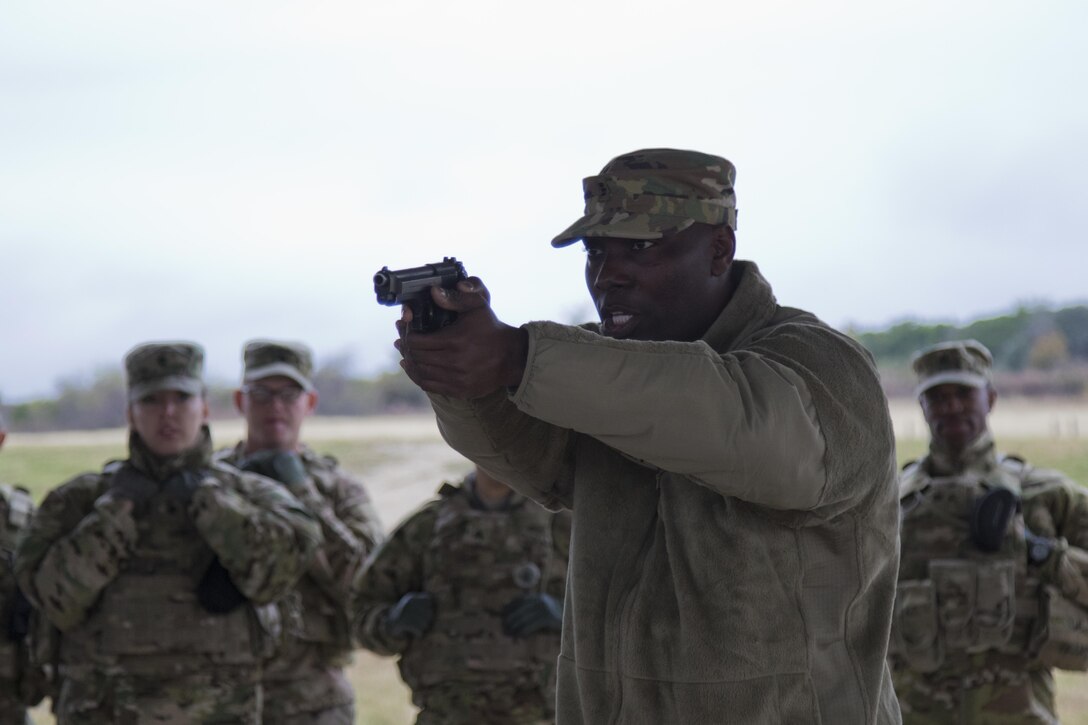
x=1054 y=505
x=262 y=535
x=73 y=548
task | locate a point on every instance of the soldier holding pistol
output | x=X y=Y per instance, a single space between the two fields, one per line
x=157 y=573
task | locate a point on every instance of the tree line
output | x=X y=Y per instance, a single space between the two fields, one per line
x=1037 y=351
x=100 y=402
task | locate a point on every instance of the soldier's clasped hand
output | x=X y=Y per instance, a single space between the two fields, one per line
x=412 y=616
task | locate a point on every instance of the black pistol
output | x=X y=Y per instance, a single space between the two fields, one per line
x=412 y=287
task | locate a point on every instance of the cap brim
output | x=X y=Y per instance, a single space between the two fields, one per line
x=623 y=226
x=280 y=368
x=182 y=384
x=958 y=377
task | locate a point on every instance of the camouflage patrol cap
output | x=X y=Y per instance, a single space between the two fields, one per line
x=156 y=366
x=265 y=358
x=963 y=362
x=651 y=193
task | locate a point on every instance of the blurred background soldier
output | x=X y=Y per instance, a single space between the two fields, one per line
x=20 y=683
x=469 y=592
x=991 y=594
x=154 y=571
x=305 y=682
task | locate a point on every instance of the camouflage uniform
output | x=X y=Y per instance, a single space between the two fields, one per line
x=21 y=684
x=474 y=561
x=976 y=631
x=127 y=594
x=305 y=681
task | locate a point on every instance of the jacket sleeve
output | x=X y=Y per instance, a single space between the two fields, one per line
x=394 y=569
x=528 y=454
x=262 y=535
x=72 y=549
x=785 y=421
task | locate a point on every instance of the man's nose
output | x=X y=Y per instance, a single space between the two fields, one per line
x=613 y=271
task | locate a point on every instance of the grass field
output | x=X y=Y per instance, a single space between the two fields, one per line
x=402 y=461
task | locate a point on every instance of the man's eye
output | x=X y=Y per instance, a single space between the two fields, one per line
x=593 y=252
x=639 y=245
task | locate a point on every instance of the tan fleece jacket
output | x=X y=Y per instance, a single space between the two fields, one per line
x=735 y=541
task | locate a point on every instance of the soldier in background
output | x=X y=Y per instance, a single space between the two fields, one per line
x=21 y=684
x=157 y=573
x=991 y=593
x=305 y=682
x=468 y=591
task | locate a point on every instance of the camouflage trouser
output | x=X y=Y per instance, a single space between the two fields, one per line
x=320 y=695
x=12 y=709
x=179 y=700
x=490 y=704
x=339 y=715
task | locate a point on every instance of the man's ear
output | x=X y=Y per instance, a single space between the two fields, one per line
x=311 y=401
x=240 y=401
x=724 y=246
x=991 y=396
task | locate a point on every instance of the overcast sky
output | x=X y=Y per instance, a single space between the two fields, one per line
x=220 y=171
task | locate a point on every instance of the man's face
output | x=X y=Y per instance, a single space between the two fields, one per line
x=274 y=409
x=956 y=413
x=168 y=421
x=663 y=289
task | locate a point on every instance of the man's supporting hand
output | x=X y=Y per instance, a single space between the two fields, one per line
x=470 y=358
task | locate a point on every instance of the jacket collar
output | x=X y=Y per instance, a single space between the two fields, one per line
x=160 y=468
x=748 y=310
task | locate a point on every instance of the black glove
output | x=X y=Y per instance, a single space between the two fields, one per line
x=990 y=517
x=19 y=617
x=531 y=614
x=283 y=466
x=216 y=592
x=412 y=616
x=182 y=486
x=128 y=484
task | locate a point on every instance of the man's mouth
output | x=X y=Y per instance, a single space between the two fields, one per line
x=618 y=323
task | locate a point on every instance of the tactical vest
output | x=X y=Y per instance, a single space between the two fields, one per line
x=476 y=562
x=955 y=601
x=16 y=509
x=148 y=621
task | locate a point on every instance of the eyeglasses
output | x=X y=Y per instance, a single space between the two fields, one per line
x=264 y=395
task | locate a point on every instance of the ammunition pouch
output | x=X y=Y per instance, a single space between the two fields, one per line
x=470 y=647
x=153 y=623
x=1066 y=641
x=964 y=606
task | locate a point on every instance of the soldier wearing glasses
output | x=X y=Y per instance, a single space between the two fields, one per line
x=305 y=682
